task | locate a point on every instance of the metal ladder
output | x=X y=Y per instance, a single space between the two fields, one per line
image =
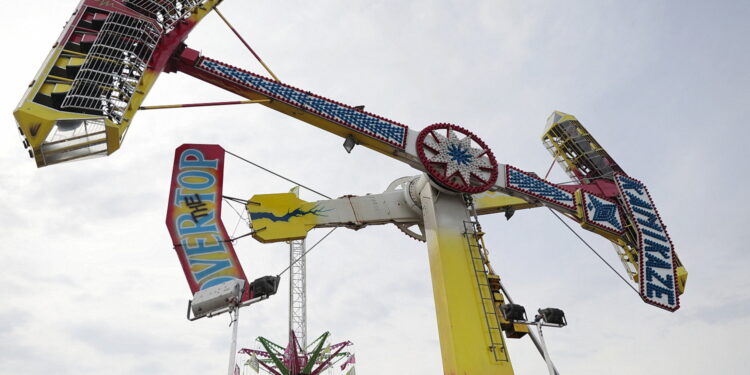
x=473 y=235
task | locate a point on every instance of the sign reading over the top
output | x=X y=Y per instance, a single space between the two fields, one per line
x=194 y=218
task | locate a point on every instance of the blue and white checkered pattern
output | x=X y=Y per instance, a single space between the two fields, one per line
x=392 y=133
x=602 y=213
x=542 y=189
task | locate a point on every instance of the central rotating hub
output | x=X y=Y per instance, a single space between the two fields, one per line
x=456 y=159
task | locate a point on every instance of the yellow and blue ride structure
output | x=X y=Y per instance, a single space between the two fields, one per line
x=111 y=52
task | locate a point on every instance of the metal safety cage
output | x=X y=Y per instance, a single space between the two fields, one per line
x=115 y=64
x=166 y=13
x=576 y=151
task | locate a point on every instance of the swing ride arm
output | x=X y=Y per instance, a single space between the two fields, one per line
x=352 y=122
x=388 y=137
x=96 y=77
x=468 y=324
x=86 y=94
x=605 y=200
x=110 y=53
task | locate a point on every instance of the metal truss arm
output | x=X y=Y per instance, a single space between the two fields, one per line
x=351 y=122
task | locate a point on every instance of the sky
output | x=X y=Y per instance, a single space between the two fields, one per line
x=91 y=285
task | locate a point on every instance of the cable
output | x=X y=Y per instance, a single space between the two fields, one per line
x=592 y=249
x=286 y=179
x=236 y=225
x=234 y=209
x=305 y=253
x=240 y=217
x=174 y=245
x=207 y=104
x=245 y=43
x=233 y=199
x=277 y=175
x=550 y=168
x=242 y=201
x=242 y=236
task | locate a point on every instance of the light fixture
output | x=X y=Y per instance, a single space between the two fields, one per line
x=264 y=286
x=349 y=143
x=552 y=315
x=513 y=312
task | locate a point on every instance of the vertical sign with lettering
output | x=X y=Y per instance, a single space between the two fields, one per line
x=657 y=274
x=194 y=218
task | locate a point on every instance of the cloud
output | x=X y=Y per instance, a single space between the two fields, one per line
x=111 y=340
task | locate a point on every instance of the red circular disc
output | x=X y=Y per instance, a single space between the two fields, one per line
x=456 y=158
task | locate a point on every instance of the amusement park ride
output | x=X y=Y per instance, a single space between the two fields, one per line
x=110 y=54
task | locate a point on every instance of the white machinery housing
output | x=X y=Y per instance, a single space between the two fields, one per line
x=217 y=297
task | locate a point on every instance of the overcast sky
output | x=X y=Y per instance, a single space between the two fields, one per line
x=91 y=285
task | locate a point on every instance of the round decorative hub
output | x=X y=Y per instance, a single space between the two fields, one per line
x=456 y=158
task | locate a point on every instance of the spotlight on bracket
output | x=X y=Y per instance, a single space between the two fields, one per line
x=226 y=297
x=349 y=143
x=265 y=286
x=552 y=315
x=216 y=299
x=513 y=312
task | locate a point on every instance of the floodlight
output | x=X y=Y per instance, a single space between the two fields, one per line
x=552 y=315
x=513 y=312
x=265 y=286
x=349 y=143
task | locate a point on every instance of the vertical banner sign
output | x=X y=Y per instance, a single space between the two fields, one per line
x=658 y=273
x=194 y=218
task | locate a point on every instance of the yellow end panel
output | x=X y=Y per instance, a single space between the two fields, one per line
x=682 y=275
x=577 y=152
x=281 y=217
x=555 y=119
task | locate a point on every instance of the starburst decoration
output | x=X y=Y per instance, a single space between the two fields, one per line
x=460 y=158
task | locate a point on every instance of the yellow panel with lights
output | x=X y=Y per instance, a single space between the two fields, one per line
x=576 y=150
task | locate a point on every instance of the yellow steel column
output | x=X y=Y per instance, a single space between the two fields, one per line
x=466 y=343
